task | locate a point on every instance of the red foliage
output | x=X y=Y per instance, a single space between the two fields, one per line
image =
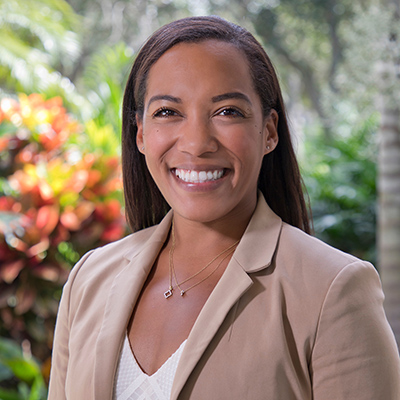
x=57 y=200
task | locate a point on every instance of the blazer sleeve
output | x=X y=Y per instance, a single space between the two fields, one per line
x=355 y=355
x=60 y=352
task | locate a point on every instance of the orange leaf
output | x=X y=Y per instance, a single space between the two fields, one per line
x=113 y=232
x=47 y=219
x=38 y=248
x=6 y=203
x=84 y=210
x=112 y=163
x=70 y=221
x=45 y=190
x=10 y=271
x=109 y=211
x=78 y=181
x=94 y=177
x=17 y=244
x=46 y=272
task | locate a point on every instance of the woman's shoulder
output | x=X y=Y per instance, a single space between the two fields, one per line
x=126 y=246
x=294 y=250
x=313 y=257
x=102 y=264
x=310 y=245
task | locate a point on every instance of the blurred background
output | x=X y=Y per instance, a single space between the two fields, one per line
x=63 y=66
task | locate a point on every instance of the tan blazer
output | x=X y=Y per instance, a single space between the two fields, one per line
x=291 y=318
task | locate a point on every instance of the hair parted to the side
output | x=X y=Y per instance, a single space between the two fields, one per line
x=279 y=179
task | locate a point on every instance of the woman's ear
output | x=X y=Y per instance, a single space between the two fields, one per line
x=140 y=135
x=271 y=131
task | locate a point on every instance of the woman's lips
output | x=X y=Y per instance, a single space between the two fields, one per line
x=193 y=176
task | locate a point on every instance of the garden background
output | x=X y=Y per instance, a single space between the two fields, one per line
x=63 y=65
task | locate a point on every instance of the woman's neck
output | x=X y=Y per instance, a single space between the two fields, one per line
x=209 y=237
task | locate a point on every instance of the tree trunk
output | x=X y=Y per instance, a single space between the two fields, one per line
x=389 y=177
x=389 y=213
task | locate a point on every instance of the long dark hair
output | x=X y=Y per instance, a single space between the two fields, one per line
x=279 y=179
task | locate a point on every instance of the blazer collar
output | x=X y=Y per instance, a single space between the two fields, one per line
x=254 y=252
x=141 y=240
x=258 y=244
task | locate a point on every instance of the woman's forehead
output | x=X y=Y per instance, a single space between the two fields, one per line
x=210 y=63
x=207 y=47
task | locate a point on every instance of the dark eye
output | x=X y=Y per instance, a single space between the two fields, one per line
x=164 y=113
x=230 y=112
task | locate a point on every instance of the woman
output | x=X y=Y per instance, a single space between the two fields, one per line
x=225 y=296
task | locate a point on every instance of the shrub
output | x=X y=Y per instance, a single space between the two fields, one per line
x=340 y=176
x=61 y=194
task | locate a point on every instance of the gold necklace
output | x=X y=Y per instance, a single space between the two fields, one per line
x=168 y=293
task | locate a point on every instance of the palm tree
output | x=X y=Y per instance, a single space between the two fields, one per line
x=37 y=41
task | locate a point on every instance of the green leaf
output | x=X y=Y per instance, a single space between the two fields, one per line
x=9 y=394
x=38 y=390
x=23 y=369
x=9 y=349
x=7 y=128
x=102 y=138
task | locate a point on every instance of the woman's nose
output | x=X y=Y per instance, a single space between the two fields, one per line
x=197 y=137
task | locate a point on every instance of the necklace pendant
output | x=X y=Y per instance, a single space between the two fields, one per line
x=182 y=292
x=168 y=293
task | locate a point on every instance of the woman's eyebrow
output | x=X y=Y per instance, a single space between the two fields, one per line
x=164 y=97
x=231 y=95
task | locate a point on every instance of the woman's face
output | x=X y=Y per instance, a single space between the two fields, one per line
x=203 y=132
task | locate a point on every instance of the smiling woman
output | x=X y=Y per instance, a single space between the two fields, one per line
x=221 y=292
x=202 y=115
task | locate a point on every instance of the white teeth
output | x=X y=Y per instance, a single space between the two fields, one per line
x=194 y=176
x=198 y=176
x=202 y=176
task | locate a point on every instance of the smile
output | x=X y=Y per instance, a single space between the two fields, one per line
x=192 y=176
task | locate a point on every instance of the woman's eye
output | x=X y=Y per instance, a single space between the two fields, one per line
x=230 y=112
x=164 y=113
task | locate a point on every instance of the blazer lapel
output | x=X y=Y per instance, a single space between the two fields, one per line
x=122 y=298
x=254 y=252
x=229 y=289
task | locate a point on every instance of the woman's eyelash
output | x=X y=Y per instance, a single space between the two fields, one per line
x=164 y=112
x=231 y=112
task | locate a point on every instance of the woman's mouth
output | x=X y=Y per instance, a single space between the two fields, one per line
x=192 y=176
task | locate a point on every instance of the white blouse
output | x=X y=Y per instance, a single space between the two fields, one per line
x=131 y=383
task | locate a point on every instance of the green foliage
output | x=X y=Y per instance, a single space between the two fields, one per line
x=38 y=46
x=24 y=369
x=340 y=176
x=104 y=80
